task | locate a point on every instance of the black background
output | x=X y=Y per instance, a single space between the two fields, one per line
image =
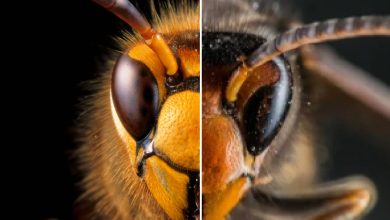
x=57 y=45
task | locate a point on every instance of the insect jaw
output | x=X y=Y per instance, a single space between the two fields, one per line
x=153 y=164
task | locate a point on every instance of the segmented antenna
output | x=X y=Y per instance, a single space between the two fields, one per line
x=318 y=32
x=128 y=13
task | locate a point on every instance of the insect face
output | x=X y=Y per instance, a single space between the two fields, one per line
x=236 y=136
x=258 y=153
x=151 y=98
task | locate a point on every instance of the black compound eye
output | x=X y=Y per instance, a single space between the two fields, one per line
x=265 y=111
x=135 y=96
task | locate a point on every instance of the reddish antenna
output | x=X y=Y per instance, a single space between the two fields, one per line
x=128 y=13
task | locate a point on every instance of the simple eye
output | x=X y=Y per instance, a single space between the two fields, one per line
x=265 y=111
x=135 y=95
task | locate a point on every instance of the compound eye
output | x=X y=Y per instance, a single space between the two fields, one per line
x=266 y=109
x=135 y=96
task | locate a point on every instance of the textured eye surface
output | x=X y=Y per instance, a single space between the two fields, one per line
x=135 y=95
x=265 y=111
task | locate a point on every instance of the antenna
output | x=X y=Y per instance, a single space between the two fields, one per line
x=128 y=13
x=334 y=29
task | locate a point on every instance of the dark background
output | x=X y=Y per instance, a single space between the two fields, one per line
x=57 y=45
x=356 y=141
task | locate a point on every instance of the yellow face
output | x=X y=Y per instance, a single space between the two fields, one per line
x=175 y=161
x=142 y=154
x=164 y=151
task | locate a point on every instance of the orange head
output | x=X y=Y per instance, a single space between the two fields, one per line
x=155 y=106
x=236 y=134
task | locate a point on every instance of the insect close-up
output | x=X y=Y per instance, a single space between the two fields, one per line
x=140 y=145
x=265 y=89
x=212 y=109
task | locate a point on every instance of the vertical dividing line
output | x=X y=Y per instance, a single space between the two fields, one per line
x=200 y=110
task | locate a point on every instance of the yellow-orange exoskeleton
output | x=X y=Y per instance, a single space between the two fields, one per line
x=141 y=151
